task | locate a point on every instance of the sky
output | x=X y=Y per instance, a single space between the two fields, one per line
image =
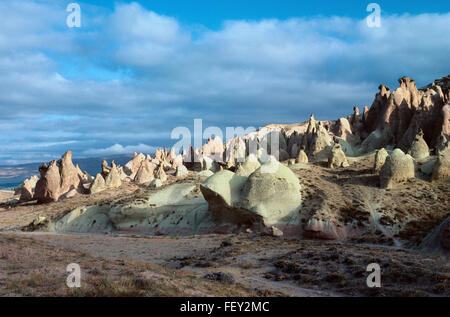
x=134 y=71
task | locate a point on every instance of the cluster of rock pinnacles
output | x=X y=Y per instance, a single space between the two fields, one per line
x=408 y=129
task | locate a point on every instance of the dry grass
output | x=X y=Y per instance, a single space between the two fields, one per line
x=33 y=268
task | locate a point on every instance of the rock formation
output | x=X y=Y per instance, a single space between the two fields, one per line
x=155 y=183
x=113 y=180
x=398 y=168
x=98 y=185
x=250 y=165
x=380 y=159
x=270 y=195
x=144 y=175
x=160 y=174
x=441 y=170
x=182 y=171
x=301 y=157
x=337 y=157
x=71 y=176
x=28 y=187
x=132 y=167
x=419 y=148
x=48 y=186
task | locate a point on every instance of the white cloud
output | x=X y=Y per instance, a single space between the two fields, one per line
x=120 y=149
x=247 y=73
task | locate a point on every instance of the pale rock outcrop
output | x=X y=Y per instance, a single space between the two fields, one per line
x=399 y=115
x=98 y=185
x=204 y=174
x=337 y=157
x=380 y=159
x=156 y=183
x=377 y=139
x=182 y=171
x=48 y=186
x=250 y=165
x=105 y=168
x=132 y=167
x=113 y=180
x=70 y=175
x=442 y=144
x=419 y=148
x=321 y=141
x=28 y=187
x=270 y=195
x=208 y=164
x=160 y=174
x=446 y=120
x=236 y=150
x=275 y=232
x=144 y=174
x=172 y=155
x=177 y=161
x=213 y=149
x=302 y=157
x=344 y=131
x=398 y=168
x=441 y=170
x=159 y=154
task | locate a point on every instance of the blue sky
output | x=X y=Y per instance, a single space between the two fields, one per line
x=134 y=71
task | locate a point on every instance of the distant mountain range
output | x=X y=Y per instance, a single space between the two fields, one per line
x=12 y=176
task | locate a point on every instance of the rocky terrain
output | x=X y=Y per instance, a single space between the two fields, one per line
x=297 y=209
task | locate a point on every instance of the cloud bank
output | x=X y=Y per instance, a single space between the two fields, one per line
x=128 y=76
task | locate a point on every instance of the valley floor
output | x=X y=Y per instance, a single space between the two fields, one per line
x=33 y=264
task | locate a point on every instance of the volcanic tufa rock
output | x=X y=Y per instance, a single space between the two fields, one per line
x=28 y=187
x=113 y=180
x=441 y=170
x=48 y=186
x=144 y=174
x=132 y=167
x=270 y=195
x=442 y=144
x=98 y=185
x=182 y=171
x=160 y=174
x=337 y=157
x=301 y=157
x=321 y=141
x=419 y=148
x=70 y=175
x=105 y=168
x=177 y=161
x=398 y=167
x=156 y=183
x=250 y=165
x=204 y=174
x=380 y=159
x=214 y=149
